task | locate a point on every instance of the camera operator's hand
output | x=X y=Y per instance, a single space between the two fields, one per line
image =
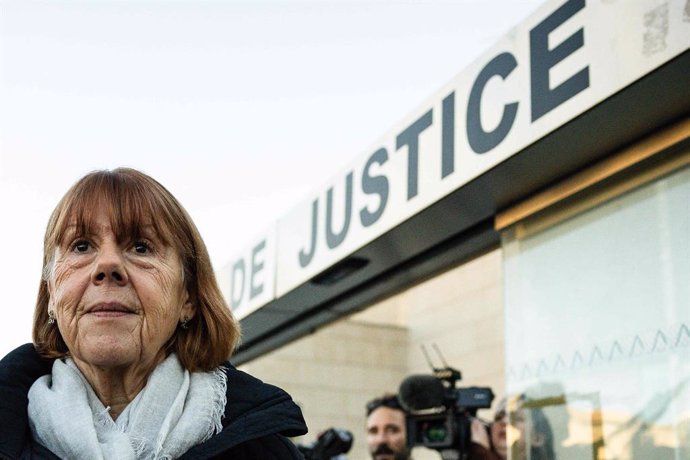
x=479 y=434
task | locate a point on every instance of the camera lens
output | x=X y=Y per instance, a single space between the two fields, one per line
x=436 y=432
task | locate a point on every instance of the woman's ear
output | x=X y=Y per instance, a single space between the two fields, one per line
x=188 y=310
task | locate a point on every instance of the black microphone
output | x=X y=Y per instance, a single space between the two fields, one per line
x=419 y=392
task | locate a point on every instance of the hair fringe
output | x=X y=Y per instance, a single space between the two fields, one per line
x=131 y=195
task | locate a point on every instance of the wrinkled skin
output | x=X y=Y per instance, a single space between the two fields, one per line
x=116 y=304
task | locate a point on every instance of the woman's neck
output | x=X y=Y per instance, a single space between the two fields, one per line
x=116 y=387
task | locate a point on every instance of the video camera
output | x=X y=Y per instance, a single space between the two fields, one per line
x=439 y=415
x=329 y=444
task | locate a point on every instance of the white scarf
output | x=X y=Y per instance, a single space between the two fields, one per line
x=175 y=411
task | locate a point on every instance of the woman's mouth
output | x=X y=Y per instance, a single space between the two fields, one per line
x=110 y=310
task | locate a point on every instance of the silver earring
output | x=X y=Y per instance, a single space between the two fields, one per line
x=185 y=323
x=51 y=317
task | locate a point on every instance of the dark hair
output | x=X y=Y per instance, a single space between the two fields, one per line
x=133 y=199
x=539 y=424
x=388 y=400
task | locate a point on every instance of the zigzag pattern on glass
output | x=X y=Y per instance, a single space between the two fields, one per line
x=617 y=350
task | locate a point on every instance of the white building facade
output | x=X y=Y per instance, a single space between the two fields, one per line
x=531 y=219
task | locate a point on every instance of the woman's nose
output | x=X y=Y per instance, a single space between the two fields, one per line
x=109 y=266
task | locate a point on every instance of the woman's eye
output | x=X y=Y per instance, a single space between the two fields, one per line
x=81 y=246
x=142 y=247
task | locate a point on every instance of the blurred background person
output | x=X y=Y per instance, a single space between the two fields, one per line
x=489 y=439
x=499 y=441
x=386 y=433
x=534 y=435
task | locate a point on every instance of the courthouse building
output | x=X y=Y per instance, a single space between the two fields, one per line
x=530 y=220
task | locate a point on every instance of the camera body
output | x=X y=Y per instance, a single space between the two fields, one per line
x=438 y=414
x=330 y=443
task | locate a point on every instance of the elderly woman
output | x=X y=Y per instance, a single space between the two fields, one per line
x=131 y=337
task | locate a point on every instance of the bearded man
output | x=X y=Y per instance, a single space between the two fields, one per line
x=386 y=434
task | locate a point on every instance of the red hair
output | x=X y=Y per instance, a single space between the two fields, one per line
x=133 y=199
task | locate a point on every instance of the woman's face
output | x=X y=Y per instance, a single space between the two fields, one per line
x=117 y=302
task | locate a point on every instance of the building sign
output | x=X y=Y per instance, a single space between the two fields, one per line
x=563 y=60
x=249 y=281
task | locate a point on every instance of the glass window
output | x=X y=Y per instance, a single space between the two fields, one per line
x=598 y=330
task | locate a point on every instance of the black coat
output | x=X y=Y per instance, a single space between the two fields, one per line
x=258 y=416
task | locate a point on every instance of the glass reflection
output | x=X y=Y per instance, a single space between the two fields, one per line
x=598 y=330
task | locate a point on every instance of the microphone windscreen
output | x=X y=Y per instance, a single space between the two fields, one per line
x=419 y=392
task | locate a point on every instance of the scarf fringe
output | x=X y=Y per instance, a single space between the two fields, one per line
x=218 y=404
x=139 y=446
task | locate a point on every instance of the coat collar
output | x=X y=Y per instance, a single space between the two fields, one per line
x=254 y=408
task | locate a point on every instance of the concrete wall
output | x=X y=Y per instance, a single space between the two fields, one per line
x=461 y=311
x=335 y=371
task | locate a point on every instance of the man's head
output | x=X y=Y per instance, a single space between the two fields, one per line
x=386 y=429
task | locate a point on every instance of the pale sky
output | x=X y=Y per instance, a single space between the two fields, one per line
x=240 y=108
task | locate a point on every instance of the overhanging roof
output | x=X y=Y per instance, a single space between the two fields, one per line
x=460 y=225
